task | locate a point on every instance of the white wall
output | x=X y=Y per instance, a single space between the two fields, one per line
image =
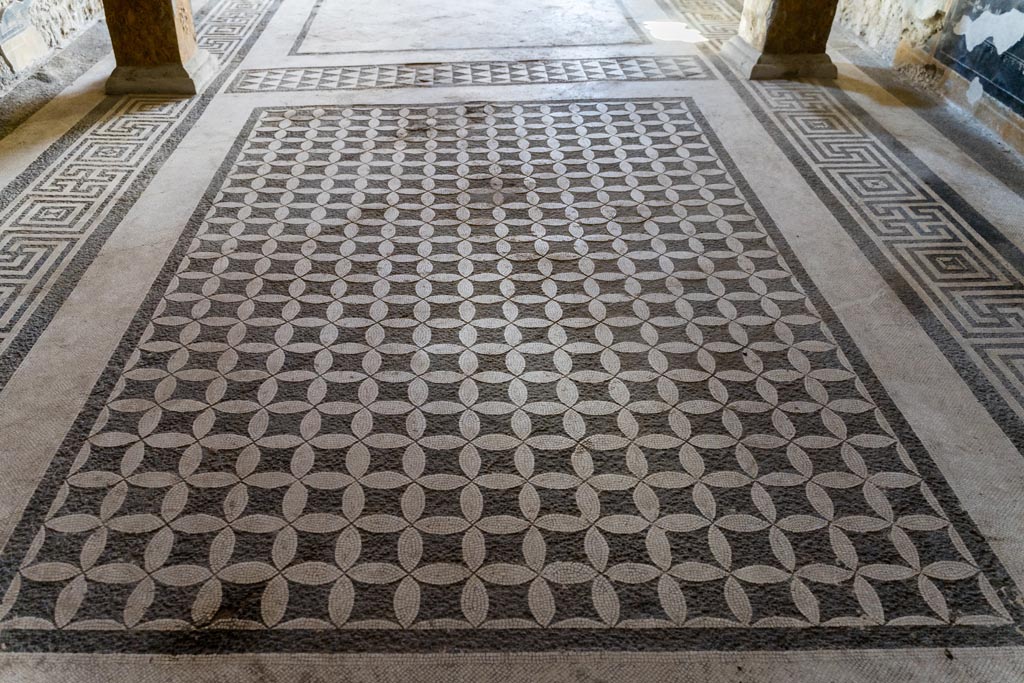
x=59 y=21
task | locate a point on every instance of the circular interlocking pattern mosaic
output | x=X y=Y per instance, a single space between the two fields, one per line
x=499 y=366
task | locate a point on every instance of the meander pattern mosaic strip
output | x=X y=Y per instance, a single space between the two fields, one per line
x=533 y=366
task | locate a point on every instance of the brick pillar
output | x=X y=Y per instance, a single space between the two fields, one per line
x=783 y=38
x=155 y=46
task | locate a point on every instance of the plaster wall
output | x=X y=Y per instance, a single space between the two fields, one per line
x=58 y=21
x=882 y=24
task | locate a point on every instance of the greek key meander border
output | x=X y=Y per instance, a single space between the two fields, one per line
x=773 y=639
x=36 y=310
x=463 y=74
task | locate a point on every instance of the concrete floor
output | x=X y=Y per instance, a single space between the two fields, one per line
x=507 y=340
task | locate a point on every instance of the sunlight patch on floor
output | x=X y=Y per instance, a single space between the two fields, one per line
x=674 y=32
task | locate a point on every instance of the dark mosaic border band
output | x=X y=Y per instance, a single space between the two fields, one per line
x=463 y=74
x=781 y=639
x=83 y=146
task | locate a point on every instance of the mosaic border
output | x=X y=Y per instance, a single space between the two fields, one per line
x=735 y=639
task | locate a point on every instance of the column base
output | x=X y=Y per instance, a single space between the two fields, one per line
x=758 y=66
x=164 y=79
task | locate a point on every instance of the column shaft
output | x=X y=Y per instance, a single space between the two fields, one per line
x=155 y=47
x=783 y=38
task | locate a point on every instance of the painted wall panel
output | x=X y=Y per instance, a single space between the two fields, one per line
x=984 y=42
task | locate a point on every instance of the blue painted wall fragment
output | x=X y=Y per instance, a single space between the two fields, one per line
x=984 y=42
x=14 y=19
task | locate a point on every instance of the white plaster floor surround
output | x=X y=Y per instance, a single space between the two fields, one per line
x=519 y=342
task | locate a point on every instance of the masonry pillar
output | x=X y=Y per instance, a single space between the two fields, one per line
x=155 y=47
x=783 y=38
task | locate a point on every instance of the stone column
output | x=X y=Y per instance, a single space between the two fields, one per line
x=783 y=38
x=155 y=46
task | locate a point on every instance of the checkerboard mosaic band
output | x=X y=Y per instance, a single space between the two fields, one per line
x=491 y=367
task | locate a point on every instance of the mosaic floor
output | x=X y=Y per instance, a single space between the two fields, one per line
x=546 y=351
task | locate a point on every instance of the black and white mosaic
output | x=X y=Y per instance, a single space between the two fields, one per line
x=949 y=264
x=962 y=278
x=716 y=21
x=53 y=216
x=521 y=367
x=365 y=76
